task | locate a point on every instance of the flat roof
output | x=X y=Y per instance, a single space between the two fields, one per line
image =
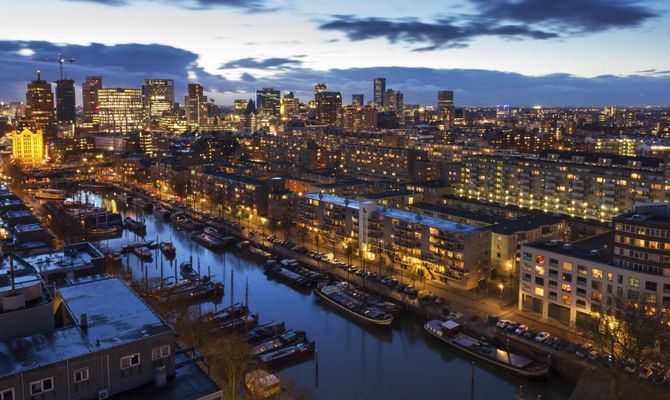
x=462 y=213
x=73 y=257
x=527 y=222
x=438 y=223
x=116 y=316
x=388 y=194
x=28 y=228
x=596 y=248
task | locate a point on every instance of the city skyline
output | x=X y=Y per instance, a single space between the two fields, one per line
x=557 y=57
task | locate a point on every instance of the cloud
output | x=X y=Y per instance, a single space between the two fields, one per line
x=127 y=65
x=653 y=72
x=277 y=63
x=507 y=19
x=249 y=5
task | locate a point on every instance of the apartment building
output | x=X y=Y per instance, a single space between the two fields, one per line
x=424 y=246
x=568 y=282
x=589 y=185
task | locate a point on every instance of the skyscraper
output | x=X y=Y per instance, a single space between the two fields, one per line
x=90 y=98
x=445 y=105
x=357 y=100
x=379 y=90
x=393 y=100
x=268 y=101
x=120 y=110
x=158 y=97
x=328 y=108
x=40 y=103
x=65 y=101
x=195 y=104
x=290 y=105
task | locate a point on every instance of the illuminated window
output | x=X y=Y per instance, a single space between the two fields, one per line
x=567 y=266
x=539 y=291
x=565 y=299
x=539 y=270
x=566 y=287
x=634 y=282
x=597 y=273
x=539 y=260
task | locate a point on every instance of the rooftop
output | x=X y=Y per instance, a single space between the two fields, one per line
x=406 y=216
x=528 y=222
x=388 y=194
x=109 y=326
x=458 y=212
x=28 y=228
x=596 y=248
x=72 y=257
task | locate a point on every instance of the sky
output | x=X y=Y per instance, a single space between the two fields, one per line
x=490 y=52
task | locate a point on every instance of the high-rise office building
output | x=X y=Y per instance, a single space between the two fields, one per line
x=268 y=101
x=328 y=108
x=359 y=119
x=89 y=91
x=158 y=97
x=40 y=103
x=28 y=146
x=120 y=110
x=445 y=105
x=290 y=105
x=393 y=100
x=379 y=91
x=239 y=106
x=195 y=104
x=65 y=101
x=357 y=100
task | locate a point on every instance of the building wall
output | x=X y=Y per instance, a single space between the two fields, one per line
x=28 y=146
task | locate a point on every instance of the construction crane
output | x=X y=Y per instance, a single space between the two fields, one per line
x=60 y=59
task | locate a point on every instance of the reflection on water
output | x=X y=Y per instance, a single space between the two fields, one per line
x=355 y=361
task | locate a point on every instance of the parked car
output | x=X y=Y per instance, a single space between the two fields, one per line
x=521 y=329
x=629 y=366
x=530 y=334
x=583 y=350
x=512 y=327
x=502 y=323
x=542 y=336
x=560 y=344
x=549 y=341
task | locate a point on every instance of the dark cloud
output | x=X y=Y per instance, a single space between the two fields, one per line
x=653 y=71
x=268 y=63
x=250 y=5
x=508 y=19
x=124 y=65
x=574 y=15
x=127 y=65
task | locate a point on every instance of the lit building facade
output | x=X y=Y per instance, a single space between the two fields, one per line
x=120 y=110
x=28 y=146
x=65 y=101
x=89 y=91
x=40 y=103
x=195 y=105
x=328 y=108
x=268 y=101
x=158 y=97
x=588 y=185
x=379 y=89
x=425 y=247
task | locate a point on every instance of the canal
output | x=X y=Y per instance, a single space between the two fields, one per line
x=355 y=361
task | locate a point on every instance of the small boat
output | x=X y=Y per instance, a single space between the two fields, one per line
x=123 y=198
x=168 y=249
x=104 y=230
x=130 y=246
x=50 y=194
x=192 y=291
x=143 y=253
x=213 y=232
x=452 y=333
x=292 y=278
x=352 y=302
x=133 y=225
x=287 y=338
x=161 y=212
x=288 y=354
x=114 y=256
x=140 y=202
x=226 y=314
x=184 y=223
x=237 y=323
x=264 y=332
x=211 y=242
x=186 y=270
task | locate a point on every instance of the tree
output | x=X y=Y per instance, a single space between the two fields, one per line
x=627 y=330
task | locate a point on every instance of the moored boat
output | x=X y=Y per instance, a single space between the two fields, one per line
x=130 y=246
x=103 y=231
x=226 y=314
x=168 y=249
x=452 y=333
x=140 y=202
x=287 y=338
x=250 y=321
x=161 y=212
x=295 y=279
x=344 y=298
x=264 y=332
x=288 y=354
x=186 y=270
x=50 y=194
x=133 y=225
x=184 y=223
x=143 y=253
x=211 y=242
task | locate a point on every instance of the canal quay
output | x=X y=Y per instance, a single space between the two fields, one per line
x=355 y=361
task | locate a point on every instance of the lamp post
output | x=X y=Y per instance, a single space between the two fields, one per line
x=502 y=288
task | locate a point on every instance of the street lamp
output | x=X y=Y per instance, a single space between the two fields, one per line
x=501 y=287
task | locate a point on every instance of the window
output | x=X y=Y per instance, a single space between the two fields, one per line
x=633 y=282
x=539 y=260
x=7 y=394
x=81 y=375
x=539 y=291
x=610 y=276
x=651 y=286
x=160 y=352
x=130 y=361
x=539 y=270
x=597 y=273
x=567 y=266
x=45 y=385
x=539 y=281
x=565 y=299
x=566 y=287
x=582 y=270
